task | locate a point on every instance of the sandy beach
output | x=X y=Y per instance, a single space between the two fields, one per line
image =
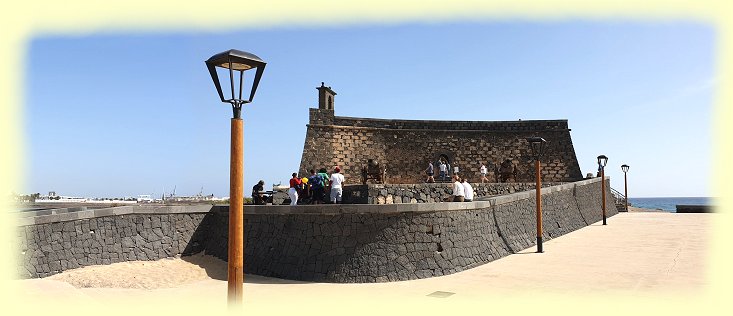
x=165 y=273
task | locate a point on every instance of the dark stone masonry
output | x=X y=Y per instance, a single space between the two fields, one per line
x=324 y=243
x=426 y=192
x=406 y=146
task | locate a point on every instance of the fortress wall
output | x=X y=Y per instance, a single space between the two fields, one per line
x=51 y=244
x=427 y=192
x=380 y=243
x=323 y=243
x=406 y=147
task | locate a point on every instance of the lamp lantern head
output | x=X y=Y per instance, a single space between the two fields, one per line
x=602 y=161
x=236 y=61
x=537 y=145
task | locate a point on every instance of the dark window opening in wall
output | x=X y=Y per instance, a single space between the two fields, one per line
x=443 y=176
x=330 y=103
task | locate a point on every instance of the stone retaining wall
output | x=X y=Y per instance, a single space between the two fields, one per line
x=325 y=243
x=426 y=192
x=378 y=243
x=55 y=243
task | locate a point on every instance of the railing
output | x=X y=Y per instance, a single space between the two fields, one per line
x=618 y=199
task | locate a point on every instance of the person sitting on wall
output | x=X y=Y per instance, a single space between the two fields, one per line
x=467 y=190
x=429 y=172
x=258 y=196
x=337 y=181
x=458 y=191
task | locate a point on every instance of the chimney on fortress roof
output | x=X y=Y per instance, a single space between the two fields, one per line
x=325 y=97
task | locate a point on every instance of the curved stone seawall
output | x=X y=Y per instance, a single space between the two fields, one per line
x=378 y=243
x=50 y=244
x=331 y=243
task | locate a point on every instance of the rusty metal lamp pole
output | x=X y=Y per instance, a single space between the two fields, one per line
x=537 y=144
x=602 y=161
x=625 y=169
x=232 y=61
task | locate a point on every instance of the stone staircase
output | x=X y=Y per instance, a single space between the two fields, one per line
x=619 y=200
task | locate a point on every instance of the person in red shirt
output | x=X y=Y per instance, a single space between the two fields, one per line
x=293 y=191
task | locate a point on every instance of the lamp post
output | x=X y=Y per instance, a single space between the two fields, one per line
x=236 y=61
x=602 y=160
x=625 y=169
x=537 y=144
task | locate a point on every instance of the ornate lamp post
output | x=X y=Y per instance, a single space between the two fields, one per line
x=236 y=61
x=625 y=169
x=537 y=144
x=602 y=160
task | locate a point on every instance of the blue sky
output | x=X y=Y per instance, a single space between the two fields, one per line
x=122 y=114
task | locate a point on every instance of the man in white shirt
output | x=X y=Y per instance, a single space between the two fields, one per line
x=467 y=191
x=458 y=192
x=337 y=191
x=443 y=170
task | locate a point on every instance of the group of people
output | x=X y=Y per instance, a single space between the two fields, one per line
x=444 y=167
x=314 y=187
x=318 y=185
x=462 y=190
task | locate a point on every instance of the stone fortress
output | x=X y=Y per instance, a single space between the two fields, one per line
x=404 y=147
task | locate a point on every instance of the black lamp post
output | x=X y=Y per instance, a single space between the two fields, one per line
x=537 y=145
x=625 y=169
x=602 y=161
x=236 y=61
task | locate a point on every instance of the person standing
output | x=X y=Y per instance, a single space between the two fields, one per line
x=483 y=172
x=326 y=185
x=293 y=191
x=467 y=191
x=429 y=172
x=316 y=184
x=442 y=168
x=458 y=192
x=337 y=180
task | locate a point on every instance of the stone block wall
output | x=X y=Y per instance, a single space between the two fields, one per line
x=405 y=146
x=379 y=243
x=52 y=247
x=324 y=243
x=426 y=192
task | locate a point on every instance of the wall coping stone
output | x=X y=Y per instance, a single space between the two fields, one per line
x=319 y=209
x=431 y=130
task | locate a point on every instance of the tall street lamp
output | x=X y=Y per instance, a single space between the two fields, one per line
x=232 y=61
x=537 y=144
x=602 y=160
x=625 y=169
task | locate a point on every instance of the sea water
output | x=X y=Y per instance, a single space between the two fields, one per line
x=668 y=203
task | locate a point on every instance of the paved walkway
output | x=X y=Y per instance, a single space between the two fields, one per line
x=637 y=255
